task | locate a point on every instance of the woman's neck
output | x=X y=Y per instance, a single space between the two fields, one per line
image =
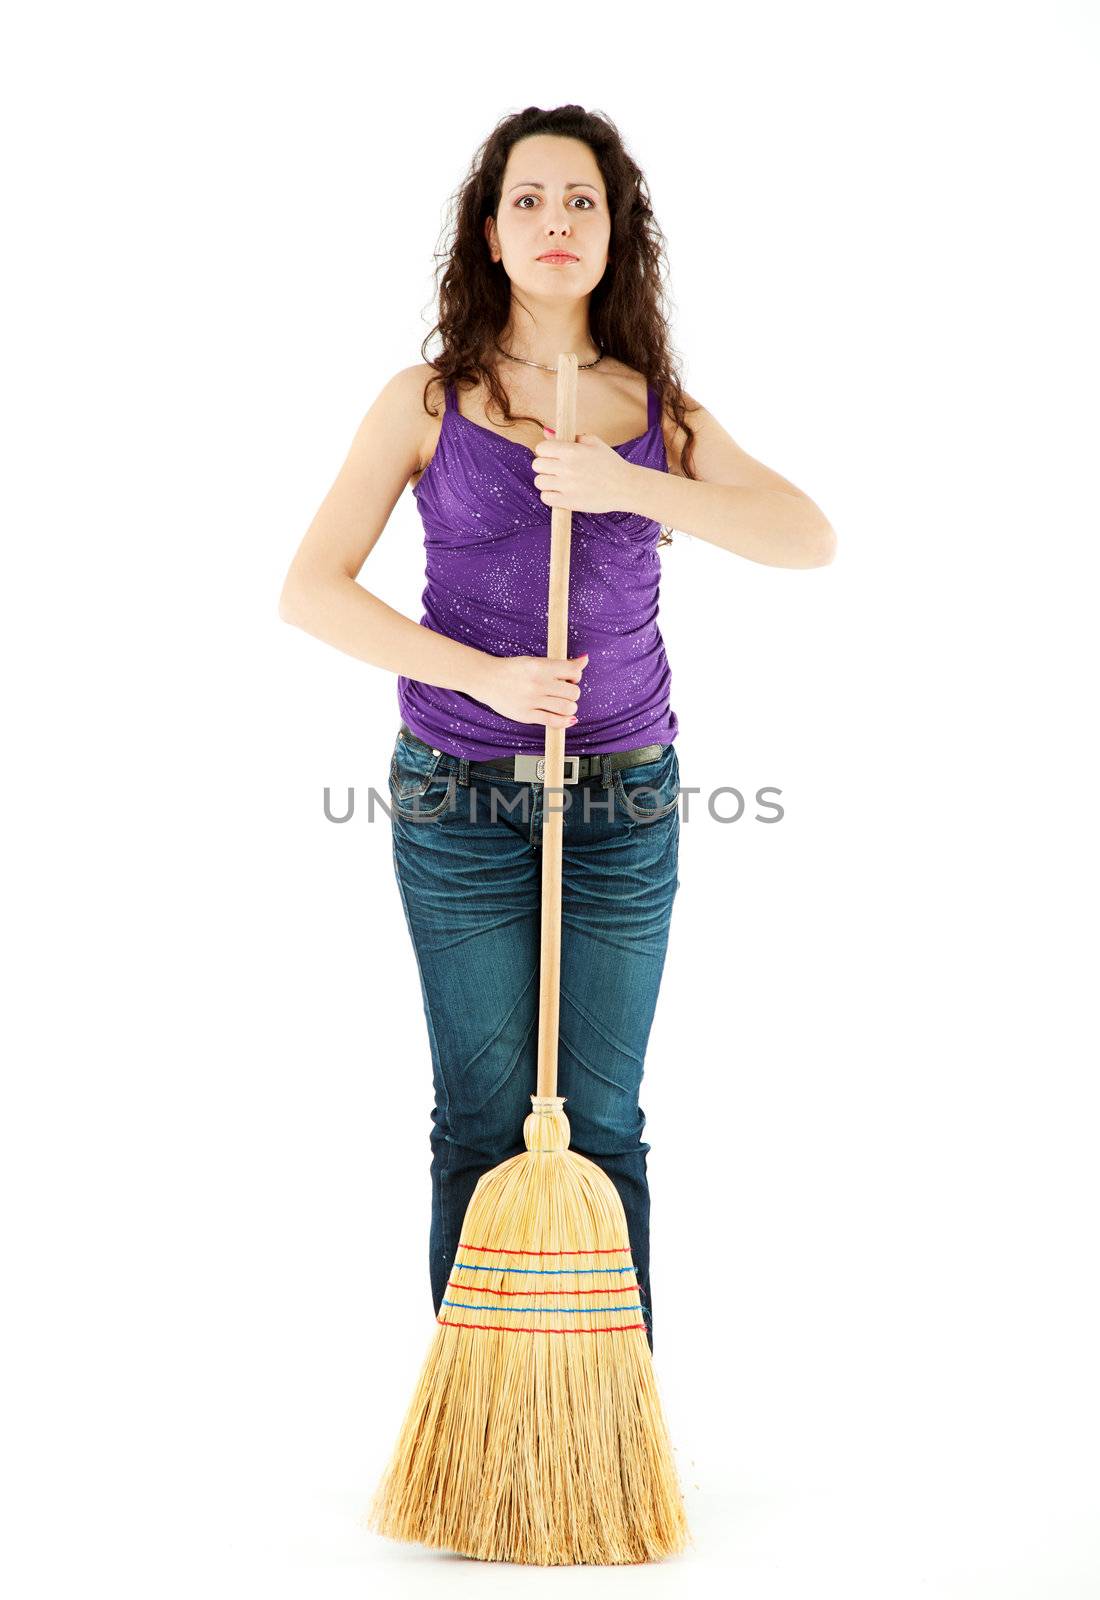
x=540 y=345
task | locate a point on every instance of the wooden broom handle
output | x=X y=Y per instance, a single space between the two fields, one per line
x=557 y=644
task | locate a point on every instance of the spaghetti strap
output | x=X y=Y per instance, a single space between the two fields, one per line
x=449 y=391
x=654 y=406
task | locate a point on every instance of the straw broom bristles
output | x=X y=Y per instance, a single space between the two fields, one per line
x=536 y=1433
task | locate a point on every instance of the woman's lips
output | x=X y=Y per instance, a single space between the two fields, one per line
x=556 y=257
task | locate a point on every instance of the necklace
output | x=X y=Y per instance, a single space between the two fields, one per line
x=582 y=366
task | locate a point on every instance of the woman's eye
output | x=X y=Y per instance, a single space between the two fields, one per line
x=589 y=202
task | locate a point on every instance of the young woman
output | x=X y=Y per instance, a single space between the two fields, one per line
x=555 y=249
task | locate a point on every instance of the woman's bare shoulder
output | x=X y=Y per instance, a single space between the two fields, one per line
x=415 y=398
x=420 y=386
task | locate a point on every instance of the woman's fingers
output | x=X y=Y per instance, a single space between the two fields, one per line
x=557 y=705
x=559 y=702
x=570 y=668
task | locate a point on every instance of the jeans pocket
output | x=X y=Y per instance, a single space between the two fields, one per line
x=652 y=790
x=416 y=774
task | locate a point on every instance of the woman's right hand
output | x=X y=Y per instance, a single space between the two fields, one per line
x=542 y=689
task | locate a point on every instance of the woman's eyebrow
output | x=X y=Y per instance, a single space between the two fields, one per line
x=531 y=184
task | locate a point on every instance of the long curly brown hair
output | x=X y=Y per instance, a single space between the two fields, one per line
x=628 y=308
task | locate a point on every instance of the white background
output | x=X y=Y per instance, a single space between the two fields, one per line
x=871 y=1088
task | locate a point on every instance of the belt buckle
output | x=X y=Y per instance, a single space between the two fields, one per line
x=532 y=769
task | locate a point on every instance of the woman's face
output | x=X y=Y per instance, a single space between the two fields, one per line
x=552 y=198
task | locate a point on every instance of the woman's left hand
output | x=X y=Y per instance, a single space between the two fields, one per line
x=587 y=475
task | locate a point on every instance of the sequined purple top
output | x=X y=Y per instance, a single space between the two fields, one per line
x=487 y=541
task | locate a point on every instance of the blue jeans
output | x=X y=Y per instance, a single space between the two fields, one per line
x=470 y=883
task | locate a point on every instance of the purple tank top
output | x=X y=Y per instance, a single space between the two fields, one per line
x=487 y=543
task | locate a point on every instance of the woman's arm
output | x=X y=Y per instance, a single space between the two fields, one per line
x=320 y=594
x=735 y=502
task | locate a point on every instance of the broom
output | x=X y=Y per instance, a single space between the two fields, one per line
x=536 y=1434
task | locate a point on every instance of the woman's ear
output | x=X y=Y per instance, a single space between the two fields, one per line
x=490 y=229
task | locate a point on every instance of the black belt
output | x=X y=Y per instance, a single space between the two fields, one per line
x=530 y=768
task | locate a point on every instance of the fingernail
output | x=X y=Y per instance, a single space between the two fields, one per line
x=575 y=719
x=549 y=430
